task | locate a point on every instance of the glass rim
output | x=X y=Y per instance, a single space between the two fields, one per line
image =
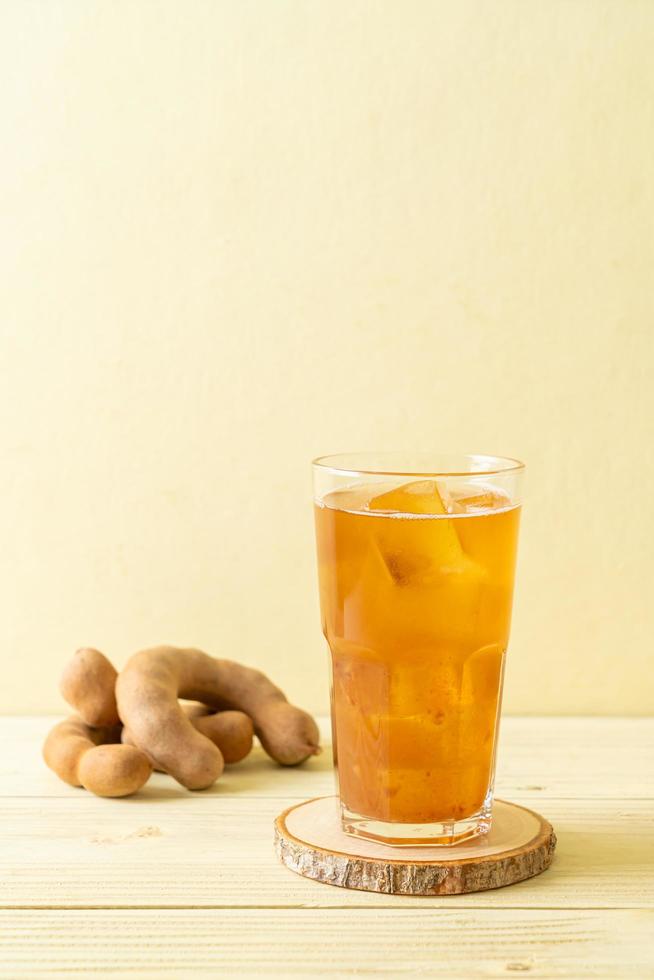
x=344 y=464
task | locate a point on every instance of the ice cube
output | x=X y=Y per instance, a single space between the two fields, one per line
x=360 y=678
x=479 y=502
x=482 y=673
x=368 y=602
x=411 y=741
x=417 y=589
x=419 y=497
x=351 y=499
x=418 y=548
x=427 y=682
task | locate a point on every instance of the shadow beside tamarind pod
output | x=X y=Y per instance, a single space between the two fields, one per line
x=95 y=758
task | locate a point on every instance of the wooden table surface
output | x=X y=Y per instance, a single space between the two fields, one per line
x=173 y=883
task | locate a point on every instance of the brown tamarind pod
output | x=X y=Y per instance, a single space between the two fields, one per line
x=147 y=692
x=95 y=759
x=88 y=685
x=231 y=732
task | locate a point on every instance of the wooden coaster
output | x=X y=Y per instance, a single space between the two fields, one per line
x=309 y=841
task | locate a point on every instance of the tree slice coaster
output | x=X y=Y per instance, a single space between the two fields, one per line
x=309 y=840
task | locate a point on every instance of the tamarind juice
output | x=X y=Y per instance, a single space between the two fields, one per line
x=416 y=584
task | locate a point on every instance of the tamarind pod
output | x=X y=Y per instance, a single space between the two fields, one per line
x=147 y=690
x=230 y=731
x=95 y=759
x=88 y=685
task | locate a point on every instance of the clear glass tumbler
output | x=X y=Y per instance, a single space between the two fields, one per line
x=416 y=559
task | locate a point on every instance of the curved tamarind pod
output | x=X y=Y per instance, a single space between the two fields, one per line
x=230 y=731
x=147 y=690
x=88 y=685
x=95 y=759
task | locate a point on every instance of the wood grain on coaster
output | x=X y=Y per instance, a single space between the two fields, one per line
x=309 y=840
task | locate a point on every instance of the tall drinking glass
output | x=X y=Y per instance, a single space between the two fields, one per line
x=416 y=558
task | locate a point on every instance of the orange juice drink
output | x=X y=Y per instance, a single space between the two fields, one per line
x=416 y=581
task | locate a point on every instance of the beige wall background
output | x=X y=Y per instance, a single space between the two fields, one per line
x=237 y=235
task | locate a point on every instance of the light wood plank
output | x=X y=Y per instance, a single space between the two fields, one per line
x=444 y=943
x=600 y=758
x=204 y=851
x=558 y=757
x=223 y=903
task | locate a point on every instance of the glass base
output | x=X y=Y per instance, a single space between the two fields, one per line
x=440 y=834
